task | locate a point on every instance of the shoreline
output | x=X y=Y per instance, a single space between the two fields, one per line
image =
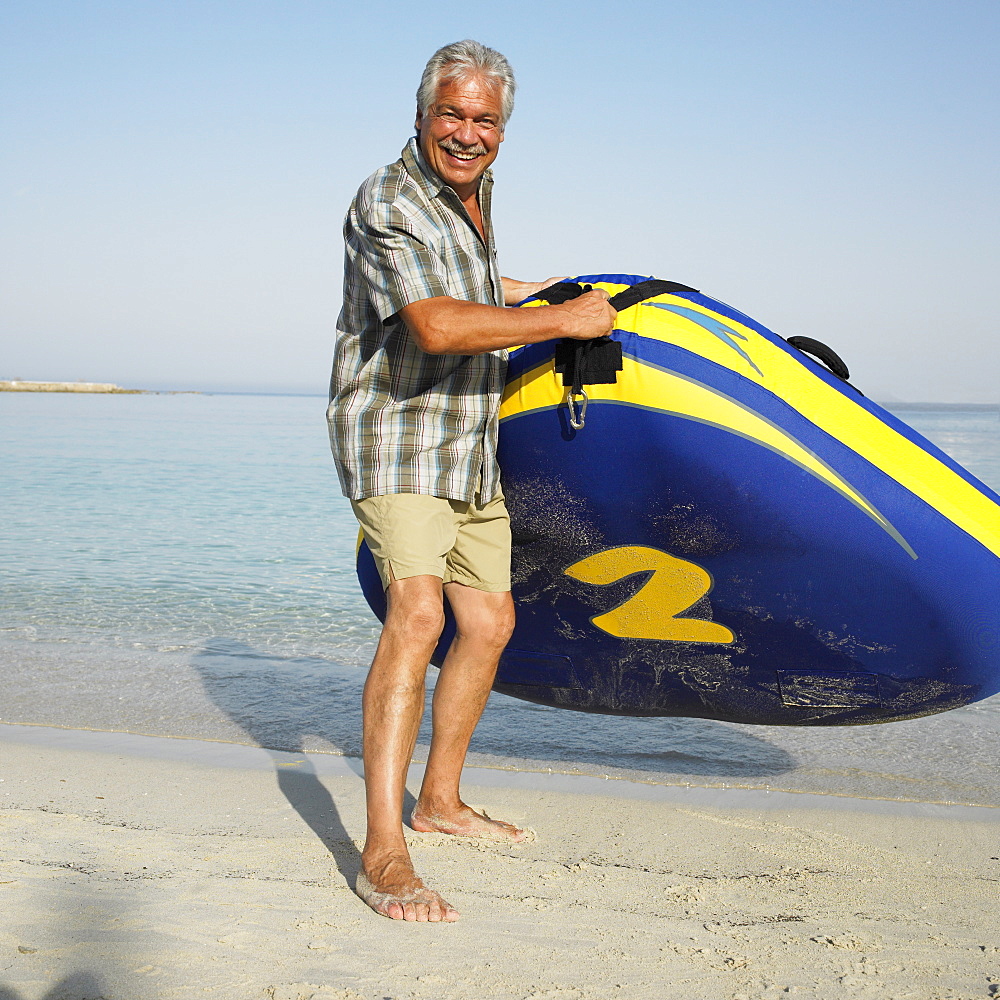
x=254 y=697
x=223 y=870
x=228 y=755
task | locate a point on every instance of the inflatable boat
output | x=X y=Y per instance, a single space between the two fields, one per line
x=709 y=520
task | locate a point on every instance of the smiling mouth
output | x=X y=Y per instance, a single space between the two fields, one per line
x=464 y=153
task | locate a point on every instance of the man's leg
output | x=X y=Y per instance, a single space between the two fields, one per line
x=484 y=622
x=393 y=705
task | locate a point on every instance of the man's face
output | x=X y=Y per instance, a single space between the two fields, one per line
x=461 y=133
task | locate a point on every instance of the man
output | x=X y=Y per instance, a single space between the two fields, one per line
x=418 y=371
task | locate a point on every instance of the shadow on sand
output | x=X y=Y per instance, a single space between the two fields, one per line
x=281 y=704
x=77 y=986
x=300 y=703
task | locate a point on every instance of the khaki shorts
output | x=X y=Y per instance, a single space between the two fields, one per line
x=410 y=534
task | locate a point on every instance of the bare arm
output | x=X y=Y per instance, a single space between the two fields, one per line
x=443 y=325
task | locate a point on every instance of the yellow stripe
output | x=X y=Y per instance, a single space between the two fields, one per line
x=915 y=469
x=904 y=461
x=649 y=387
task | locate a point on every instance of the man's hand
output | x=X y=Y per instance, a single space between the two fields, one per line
x=515 y=291
x=589 y=315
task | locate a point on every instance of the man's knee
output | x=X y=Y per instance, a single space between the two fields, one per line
x=505 y=621
x=425 y=622
x=416 y=610
x=490 y=622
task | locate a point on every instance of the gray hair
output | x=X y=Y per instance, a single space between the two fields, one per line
x=461 y=60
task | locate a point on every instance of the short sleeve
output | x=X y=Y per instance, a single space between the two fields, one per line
x=395 y=261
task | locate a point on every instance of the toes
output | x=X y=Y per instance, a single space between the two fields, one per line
x=416 y=905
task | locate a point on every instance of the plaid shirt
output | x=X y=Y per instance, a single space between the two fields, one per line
x=402 y=420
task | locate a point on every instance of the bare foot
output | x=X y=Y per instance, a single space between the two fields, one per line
x=466 y=822
x=393 y=889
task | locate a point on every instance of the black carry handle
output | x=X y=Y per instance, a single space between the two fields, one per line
x=563 y=291
x=827 y=355
x=635 y=294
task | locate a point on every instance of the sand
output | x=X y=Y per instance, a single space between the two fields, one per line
x=141 y=867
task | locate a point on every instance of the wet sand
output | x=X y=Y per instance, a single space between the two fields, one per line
x=141 y=867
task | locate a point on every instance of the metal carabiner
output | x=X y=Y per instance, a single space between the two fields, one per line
x=577 y=412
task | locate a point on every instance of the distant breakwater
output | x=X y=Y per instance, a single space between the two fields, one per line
x=16 y=385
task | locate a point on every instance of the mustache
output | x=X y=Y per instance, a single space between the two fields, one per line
x=451 y=145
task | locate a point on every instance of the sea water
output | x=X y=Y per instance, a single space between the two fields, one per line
x=183 y=565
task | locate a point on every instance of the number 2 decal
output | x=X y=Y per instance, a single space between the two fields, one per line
x=652 y=612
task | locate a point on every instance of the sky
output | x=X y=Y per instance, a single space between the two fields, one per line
x=174 y=175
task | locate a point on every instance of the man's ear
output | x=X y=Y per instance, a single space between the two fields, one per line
x=418 y=120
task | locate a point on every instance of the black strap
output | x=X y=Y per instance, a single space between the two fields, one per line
x=819 y=350
x=563 y=291
x=588 y=362
x=635 y=294
x=596 y=362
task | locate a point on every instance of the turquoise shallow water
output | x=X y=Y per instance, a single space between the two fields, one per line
x=183 y=565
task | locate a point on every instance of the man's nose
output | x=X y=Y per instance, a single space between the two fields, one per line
x=466 y=133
